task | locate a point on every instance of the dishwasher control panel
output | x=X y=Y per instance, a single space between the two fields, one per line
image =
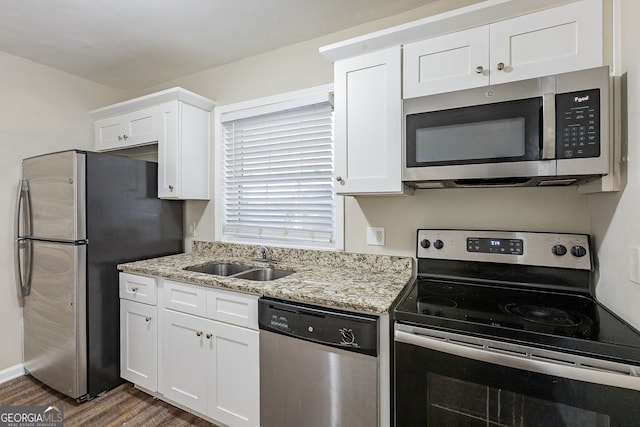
x=336 y=328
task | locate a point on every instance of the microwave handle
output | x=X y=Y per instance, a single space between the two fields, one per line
x=548 y=126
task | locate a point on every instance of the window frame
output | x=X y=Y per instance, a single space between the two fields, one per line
x=256 y=107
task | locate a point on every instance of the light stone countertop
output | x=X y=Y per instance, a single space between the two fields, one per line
x=360 y=282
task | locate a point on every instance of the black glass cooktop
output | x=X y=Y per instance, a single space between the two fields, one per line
x=555 y=319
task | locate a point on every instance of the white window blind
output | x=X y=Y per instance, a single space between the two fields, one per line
x=278 y=176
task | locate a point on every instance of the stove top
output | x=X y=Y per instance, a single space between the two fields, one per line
x=518 y=298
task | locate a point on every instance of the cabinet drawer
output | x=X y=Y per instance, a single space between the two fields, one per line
x=186 y=298
x=233 y=307
x=138 y=288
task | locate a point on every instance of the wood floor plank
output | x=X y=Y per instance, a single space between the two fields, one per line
x=122 y=406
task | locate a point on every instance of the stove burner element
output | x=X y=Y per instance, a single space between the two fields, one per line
x=435 y=305
x=544 y=315
x=440 y=288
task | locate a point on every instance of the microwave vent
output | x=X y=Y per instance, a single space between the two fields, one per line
x=428 y=185
x=557 y=182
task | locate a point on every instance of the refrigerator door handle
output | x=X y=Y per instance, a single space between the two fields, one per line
x=23 y=217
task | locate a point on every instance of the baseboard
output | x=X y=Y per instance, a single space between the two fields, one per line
x=11 y=372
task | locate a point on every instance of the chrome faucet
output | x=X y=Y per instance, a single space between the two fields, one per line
x=263 y=256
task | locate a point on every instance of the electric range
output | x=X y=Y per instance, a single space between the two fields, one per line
x=511 y=314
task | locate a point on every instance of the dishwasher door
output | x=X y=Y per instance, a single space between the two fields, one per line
x=318 y=367
x=307 y=384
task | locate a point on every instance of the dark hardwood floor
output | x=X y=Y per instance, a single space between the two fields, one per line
x=121 y=406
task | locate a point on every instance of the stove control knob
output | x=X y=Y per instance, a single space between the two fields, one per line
x=578 y=251
x=425 y=243
x=559 y=250
x=438 y=244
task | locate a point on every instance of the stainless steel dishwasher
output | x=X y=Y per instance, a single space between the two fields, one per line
x=318 y=366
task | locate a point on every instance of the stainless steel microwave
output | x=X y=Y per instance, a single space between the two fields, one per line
x=552 y=130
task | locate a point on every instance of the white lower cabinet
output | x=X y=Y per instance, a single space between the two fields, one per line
x=233 y=375
x=181 y=354
x=139 y=344
x=183 y=359
x=210 y=367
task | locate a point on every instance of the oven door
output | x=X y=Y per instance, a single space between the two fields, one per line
x=444 y=379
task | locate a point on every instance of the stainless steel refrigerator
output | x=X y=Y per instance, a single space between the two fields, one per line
x=79 y=214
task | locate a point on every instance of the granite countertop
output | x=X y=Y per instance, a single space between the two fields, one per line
x=360 y=282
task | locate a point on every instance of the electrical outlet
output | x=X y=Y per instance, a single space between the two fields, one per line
x=192 y=230
x=634 y=264
x=375 y=236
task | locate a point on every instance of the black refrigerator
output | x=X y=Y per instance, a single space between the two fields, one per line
x=78 y=215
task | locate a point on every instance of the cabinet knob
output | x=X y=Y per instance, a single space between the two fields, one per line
x=479 y=69
x=134 y=289
x=199 y=333
x=125 y=136
x=148 y=319
x=500 y=66
x=119 y=138
x=171 y=188
x=209 y=336
x=340 y=180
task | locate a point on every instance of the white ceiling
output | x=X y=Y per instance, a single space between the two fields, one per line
x=132 y=44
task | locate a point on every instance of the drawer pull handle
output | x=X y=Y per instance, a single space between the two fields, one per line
x=199 y=333
x=500 y=66
x=148 y=319
x=479 y=69
x=209 y=336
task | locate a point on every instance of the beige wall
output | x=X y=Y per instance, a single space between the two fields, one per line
x=42 y=110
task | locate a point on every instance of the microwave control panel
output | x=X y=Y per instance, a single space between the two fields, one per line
x=578 y=124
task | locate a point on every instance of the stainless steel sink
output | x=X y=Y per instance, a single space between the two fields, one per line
x=219 y=269
x=240 y=271
x=263 y=274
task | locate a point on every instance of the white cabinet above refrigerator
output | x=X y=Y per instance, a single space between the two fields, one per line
x=175 y=125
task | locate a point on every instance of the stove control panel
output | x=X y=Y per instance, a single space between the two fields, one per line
x=507 y=247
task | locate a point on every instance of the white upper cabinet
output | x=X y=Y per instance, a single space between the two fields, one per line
x=368 y=123
x=127 y=130
x=443 y=64
x=183 y=152
x=179 y=122
x=558 y=40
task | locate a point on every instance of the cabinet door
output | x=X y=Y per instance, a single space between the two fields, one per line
x=183 y=359
x=234 y=375
x=183 y=152
x=138 y=344
x=127 y=130
x=446 y=63
x=141 y=126
x=558 y=40
x=368 y=123
x=109 y=133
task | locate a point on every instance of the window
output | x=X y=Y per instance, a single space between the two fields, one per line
x=274 y=172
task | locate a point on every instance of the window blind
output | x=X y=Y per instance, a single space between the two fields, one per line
x=278 y=175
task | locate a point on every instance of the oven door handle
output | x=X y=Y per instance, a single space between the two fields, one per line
x=521 y=357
